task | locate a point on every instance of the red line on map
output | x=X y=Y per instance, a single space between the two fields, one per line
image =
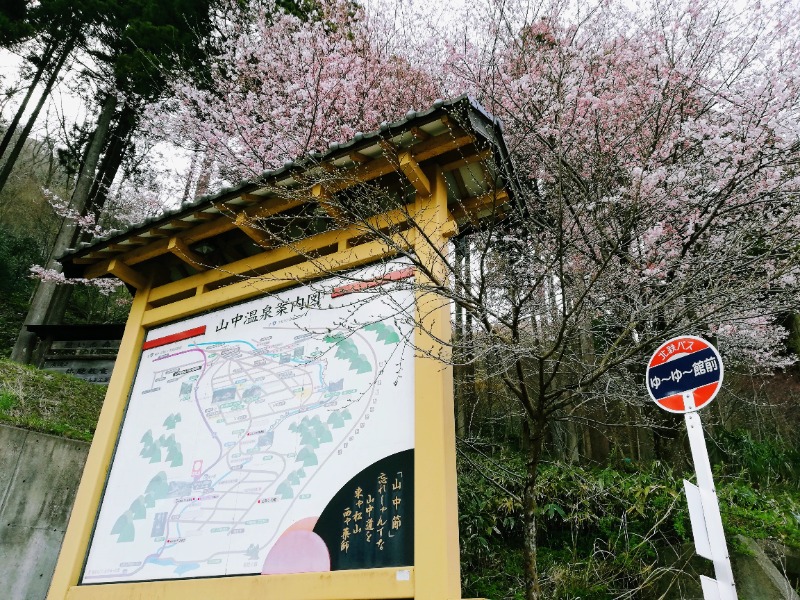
x=365 y=285
x=175 y=337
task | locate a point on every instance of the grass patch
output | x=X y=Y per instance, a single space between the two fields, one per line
x=48 y=402
x=7 y=401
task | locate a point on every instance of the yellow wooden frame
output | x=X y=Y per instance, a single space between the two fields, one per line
x=435 y=575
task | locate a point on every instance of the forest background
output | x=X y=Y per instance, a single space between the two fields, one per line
x=657 y=147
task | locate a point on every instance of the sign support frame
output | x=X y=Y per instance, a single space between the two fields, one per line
x=435 y=574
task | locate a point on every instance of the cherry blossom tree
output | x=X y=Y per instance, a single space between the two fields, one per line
x=657 y=194
x=284 y=86
x=657 y=153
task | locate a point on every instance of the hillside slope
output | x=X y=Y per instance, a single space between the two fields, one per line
x=48 y=402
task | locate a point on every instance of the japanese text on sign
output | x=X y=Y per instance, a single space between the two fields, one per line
x=272 y=311
x=374 y=519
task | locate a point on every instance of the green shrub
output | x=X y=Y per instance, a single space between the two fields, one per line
x=602 y=533
x=764 y=462
x=17 y=254
x=7 y=401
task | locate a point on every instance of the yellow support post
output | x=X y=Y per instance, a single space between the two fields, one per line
x=90 y=490
x=436 y=555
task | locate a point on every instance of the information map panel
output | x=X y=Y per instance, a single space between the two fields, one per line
x=274 y=436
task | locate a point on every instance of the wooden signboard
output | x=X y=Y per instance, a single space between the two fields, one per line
x=280 y=425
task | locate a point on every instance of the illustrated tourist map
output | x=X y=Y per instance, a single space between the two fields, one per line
x=273 y=436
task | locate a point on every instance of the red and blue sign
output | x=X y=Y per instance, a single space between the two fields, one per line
x=684 y=374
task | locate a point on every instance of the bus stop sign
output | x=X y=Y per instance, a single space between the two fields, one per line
x=684 y=374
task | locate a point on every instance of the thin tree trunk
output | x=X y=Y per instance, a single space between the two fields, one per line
x=47 y=55
x=187 y=189
x=43 y=307
x=459 y=370
x=66 y=50
x=205 y=175
x=112 y=160
x=51 y=162
x=534 y=433
x=470 y=398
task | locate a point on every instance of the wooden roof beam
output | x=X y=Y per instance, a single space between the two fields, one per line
x=413 y=172
x=156 y=245
x=125 y=274
x=181 y=225
x=258 y=235
x=435 y=146
x=389 y=150
x=467 y=160
x=137 y=240
x=251 y=198
x=323 y=198
x=358 y=157
x=160 y=232
x=471 y=208
x=378 y=167
x=205 y=216
x=274 y=207
x=180 y=249
x=420 y=134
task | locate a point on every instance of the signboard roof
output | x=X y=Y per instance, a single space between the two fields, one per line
x=447 y=126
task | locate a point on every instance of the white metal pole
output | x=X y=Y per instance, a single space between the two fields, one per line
x=710 y=507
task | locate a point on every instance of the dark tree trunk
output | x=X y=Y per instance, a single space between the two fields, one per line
x=44 y=62
x=112 y=159
x=64 y=53
x=46 y=302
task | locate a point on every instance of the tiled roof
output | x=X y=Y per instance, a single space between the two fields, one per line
x=468 y=113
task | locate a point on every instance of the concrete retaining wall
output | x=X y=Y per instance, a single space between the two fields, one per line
x=39 y=476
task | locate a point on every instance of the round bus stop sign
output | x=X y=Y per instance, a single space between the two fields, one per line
x=684 y=374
